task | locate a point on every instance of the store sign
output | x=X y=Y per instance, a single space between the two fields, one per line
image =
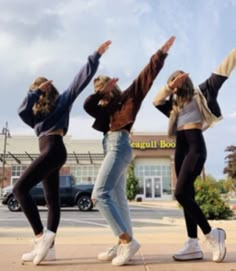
x=153 y=144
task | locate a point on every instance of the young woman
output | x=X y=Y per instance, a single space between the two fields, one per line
x=115 y=112
x=47 y=112
x=191 y=111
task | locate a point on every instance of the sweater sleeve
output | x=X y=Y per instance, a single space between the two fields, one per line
x=25 y=110
x=82 y=79
x=218 y=77
x=142 y=84
x=161 y=101
x=227 y=65
x=162 y=95
x=211 y=86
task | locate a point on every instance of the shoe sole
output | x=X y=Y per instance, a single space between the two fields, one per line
x=44 y=260
x=222 y=238
x=107 y=259
x=194 y=257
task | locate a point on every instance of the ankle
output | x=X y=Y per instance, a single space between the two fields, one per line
x=37 y=236
x=125 y=238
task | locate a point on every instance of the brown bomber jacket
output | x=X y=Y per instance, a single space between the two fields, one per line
x=130 y=100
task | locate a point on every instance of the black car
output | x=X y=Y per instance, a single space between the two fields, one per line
x=70 y=195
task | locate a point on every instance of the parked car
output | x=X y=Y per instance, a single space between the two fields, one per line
x=70 y=195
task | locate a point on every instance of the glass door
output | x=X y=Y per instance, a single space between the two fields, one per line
x=152 y=187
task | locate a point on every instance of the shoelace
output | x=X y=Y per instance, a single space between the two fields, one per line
x=211 y=243
x=120 y=251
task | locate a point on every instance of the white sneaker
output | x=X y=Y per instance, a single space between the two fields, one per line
x=43 y=244
x=216 y=242
x=125 y=252
x=109 y=254
x=190 y=251
x=29 y=257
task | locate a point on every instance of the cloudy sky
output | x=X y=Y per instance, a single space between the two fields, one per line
x=53 y=39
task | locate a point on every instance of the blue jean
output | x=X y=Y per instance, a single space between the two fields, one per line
x=110 y=186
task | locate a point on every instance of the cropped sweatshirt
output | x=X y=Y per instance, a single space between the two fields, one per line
x=58 y=118
x=123 y=113
x=205 y=95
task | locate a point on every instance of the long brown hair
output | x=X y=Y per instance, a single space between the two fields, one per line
x=185 y=92
x=47 y=100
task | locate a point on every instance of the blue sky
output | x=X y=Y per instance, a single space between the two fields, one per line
x=53 y=39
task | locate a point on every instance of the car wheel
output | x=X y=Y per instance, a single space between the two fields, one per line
x=85 y=203
x=13 y=205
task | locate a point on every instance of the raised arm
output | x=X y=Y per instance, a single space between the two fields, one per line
x=211 y=86
x=142 y=84
x=86 y=73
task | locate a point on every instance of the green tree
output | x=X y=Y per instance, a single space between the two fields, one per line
x=210 y=201
x=131 y=183
x=230 y=169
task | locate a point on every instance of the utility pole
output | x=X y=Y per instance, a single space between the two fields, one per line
x=6 y=133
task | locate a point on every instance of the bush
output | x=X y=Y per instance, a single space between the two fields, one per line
x=209 y=199
x=131 y=183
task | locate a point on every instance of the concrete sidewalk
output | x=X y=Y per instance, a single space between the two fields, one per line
x=77 y=249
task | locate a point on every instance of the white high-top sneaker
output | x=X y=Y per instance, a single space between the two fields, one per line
x=216 y=242
x=109 y=254
x=29 y=256
x=43 y=244
x=190 y=251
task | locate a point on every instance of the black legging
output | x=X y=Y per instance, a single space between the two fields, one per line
x=190 y=156
x=46 y=169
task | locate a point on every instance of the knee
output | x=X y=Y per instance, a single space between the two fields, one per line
x=17 y=191
x=180 y=196
x=100 y=195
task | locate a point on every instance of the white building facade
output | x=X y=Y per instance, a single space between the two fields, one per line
x=152 y=158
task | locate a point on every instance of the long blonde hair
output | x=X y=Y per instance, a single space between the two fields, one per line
x=47 y=100
x=184 y=93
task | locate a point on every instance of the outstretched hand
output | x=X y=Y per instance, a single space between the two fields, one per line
x=178 y=81
x=165 y=48
x=103 y=47
x=45 y=85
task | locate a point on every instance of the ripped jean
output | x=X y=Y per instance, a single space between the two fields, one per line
x=110 y=187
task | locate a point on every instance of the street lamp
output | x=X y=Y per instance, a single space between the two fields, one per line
x=6 y=133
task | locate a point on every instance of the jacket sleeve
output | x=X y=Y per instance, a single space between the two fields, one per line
x=82 y=79
x=211 y=86
x=163 y=100
x=25 y=110
x=142 y=84
x=91 y=105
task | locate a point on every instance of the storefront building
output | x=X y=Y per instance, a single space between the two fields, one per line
x=152 y=158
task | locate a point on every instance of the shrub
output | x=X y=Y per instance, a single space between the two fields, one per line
x=210 y=201
x=131 y=183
